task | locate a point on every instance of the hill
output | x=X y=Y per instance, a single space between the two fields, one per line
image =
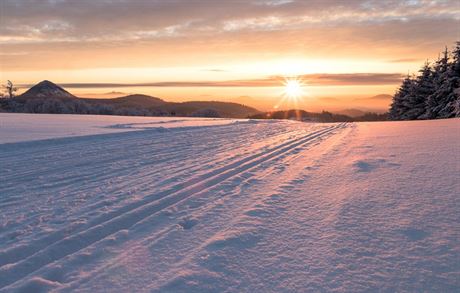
x=48 y=97
x=224 y=109
x=381 y=97
x=351 y=112
x=137 y=100
x=46 y=89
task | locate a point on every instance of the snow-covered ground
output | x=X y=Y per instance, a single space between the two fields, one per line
x=17 y=127
x=232 y=206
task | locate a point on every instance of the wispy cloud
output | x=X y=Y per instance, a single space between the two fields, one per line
x=67 y=35
x=404 y=60
x=78 y=21
x=352 y=79
x=215 y=70
x=273 y=81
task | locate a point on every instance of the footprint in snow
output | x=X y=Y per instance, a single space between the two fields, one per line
x=298 y=180
x=258 y=213
x=273 y=199
x=364 y=166
x=188 y=224
x=372 y=164
x=414 y=234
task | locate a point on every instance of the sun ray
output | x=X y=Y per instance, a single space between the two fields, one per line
x=293 y=88
x=292 y=94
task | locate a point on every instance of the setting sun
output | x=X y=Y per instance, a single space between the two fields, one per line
x=293 y=88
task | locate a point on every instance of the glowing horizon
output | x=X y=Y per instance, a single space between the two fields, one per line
x=224 y=50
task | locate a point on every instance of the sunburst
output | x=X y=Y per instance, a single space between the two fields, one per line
x=293 y=88
x=293 y=91
x=292 y=94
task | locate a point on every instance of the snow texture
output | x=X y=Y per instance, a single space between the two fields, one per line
x=237 y=206
x=18 y=127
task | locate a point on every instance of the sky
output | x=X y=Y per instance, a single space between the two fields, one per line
x=343 y=51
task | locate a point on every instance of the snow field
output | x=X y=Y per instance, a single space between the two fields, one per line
x=252 y=206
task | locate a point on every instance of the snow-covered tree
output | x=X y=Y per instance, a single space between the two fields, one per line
x=442 y=101
x=10 y=90
x=434 y=93
x=433 y=103
x=422 y=88
x=398 y=107
x=456 y=80
x=457 y=103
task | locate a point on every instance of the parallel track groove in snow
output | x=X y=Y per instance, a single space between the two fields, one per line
x=102 y=157
x=91 y=149
x=365 y=207
x=6 y=256
x=90 y=174
x=125 y=217
x=94 y=173
x=60 y=246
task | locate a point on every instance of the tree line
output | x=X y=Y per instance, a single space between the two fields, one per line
x=76 y=106
x=71 y=106
x=324 y=116
x=434 y=93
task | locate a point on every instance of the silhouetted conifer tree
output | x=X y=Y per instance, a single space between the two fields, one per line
x=398 y=107
x=422 y=88
x=439 y=74
x=456 y=80
x=433 y=93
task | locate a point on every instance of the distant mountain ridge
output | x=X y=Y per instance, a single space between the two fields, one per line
x=46 y=89
x=137 y=100
x=381 y=97
x=48 y=97
x=324 y=116
x=351 y=112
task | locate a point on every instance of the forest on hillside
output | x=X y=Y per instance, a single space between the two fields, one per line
x=431 y=94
